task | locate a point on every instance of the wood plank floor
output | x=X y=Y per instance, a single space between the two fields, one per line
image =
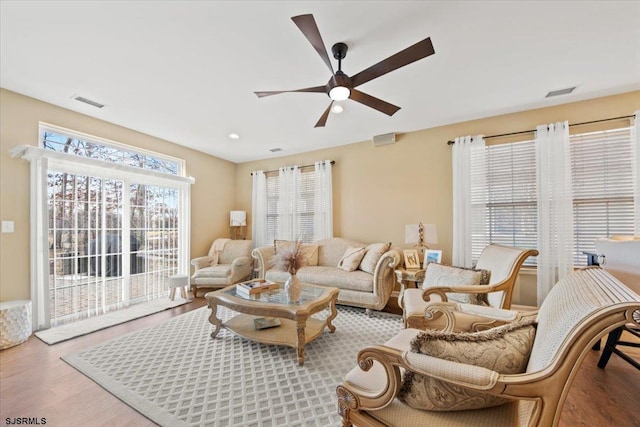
x=36 y=383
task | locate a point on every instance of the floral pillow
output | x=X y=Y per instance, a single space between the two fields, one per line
x=445 y=275
x=504 y=349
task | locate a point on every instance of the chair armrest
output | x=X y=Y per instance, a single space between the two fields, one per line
x=352 y=397
x=442 y=290
x=470 y=317
x=470 y=376
x=263 y=255
x=241 y=267
x=201 y=262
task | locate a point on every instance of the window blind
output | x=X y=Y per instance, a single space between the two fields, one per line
x=511 y=197
x=603 y=203
x=602 y=175
x=305 y=208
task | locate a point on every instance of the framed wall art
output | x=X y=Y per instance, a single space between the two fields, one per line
x=432 y=256
x=411 y=259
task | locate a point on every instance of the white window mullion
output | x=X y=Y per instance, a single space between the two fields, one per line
x=126 y=243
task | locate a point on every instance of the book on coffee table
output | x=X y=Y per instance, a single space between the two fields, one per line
x=254 y=287
x=266 y=322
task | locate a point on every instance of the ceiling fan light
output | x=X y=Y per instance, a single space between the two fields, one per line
x=339 y=93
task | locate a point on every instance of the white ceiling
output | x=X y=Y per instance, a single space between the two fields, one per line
x=185 y=71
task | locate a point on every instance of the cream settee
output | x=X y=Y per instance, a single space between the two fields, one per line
x=368 y=286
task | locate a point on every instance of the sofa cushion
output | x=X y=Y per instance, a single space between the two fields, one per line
x=504 y=349
x=218 y=270
x=331 y=249
x=351 y=258
x=445 y=275
x=373 y=253
x=328 y=276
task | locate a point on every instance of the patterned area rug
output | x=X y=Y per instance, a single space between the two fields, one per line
x=82 y=327
x=175 y=374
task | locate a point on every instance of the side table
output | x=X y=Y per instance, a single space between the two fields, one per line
x=406 y=276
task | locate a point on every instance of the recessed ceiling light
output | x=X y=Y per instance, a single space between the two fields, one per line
x=337 y=109
x=234 y=136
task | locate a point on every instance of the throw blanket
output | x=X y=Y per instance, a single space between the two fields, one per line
x=216 y=248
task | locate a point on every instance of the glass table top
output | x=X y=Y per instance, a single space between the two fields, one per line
x=279 y=296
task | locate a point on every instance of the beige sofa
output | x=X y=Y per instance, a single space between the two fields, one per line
x=369 y=286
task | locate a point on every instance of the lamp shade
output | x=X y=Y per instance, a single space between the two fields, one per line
x=238 y=218
x=420 y=233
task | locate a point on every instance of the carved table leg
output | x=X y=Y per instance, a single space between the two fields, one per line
x=334 y=313
x=301 y=323
x=213 y=305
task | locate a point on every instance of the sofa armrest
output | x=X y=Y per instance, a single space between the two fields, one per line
x=384 y=278
x=201 y=262
x=263 y=255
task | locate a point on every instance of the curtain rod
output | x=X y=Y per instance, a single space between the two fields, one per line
x=333 y=162
x=533 y=130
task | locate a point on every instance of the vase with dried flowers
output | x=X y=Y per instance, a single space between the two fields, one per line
x=289 y=258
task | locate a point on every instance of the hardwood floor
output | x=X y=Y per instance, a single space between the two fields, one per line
x=36 y=383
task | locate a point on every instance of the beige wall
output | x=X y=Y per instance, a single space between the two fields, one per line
x=19 y=117
x=377 y=190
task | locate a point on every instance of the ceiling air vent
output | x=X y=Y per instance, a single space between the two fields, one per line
x=88 y=101
x=275 y=150
x=565 y=91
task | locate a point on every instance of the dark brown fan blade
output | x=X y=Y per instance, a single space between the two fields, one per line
x=411 y=54
x=308 y=26
x=323 y=118
x=319 y=89
x=373 y=102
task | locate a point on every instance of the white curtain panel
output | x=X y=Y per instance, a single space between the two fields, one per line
x=468 y=214
x=288 y=204
x=555 y=205
x=323 y=201
x=259 y=210
x=635 y=151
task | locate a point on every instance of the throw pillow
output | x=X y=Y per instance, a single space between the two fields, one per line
x=445 y=275
x=351 y=258
x=504 y=349
x=372 y=255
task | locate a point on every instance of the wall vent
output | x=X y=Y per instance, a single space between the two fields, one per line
x=558 y=92
x=275 y=150
x=88 y=101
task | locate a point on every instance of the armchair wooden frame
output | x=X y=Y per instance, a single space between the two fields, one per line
x=505 y=285
x=538 y=395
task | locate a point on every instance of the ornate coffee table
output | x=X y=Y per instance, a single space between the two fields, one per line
x=297 y=326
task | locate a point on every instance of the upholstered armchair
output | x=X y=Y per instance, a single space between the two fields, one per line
x=228 y=262
x=492 y=287
x=580 y=309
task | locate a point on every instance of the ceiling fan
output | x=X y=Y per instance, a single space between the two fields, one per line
x=340 y=86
